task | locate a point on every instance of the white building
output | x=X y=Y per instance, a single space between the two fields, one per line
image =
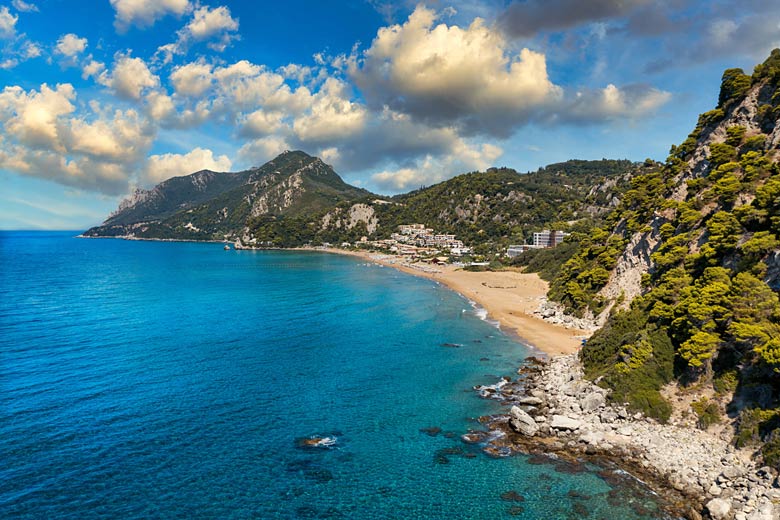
x=547 y=238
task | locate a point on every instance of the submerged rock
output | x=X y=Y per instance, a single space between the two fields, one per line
x=512 y=496
x=432 y=431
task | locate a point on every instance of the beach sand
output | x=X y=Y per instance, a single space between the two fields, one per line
x=509 y=297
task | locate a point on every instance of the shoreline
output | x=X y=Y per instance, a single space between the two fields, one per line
x=555 y=412
x=509 y=297
x=552 y=411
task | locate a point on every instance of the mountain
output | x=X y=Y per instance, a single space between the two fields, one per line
x=684 y=273
x=492 y=209
x=208 y=205
x=487 y=210
x=296 y=199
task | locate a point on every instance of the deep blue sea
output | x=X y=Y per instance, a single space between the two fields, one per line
x=174 y=380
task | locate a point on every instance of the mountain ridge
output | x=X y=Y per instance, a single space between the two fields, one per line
x=208 y=205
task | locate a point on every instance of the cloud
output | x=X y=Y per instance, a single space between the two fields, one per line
x=144 y=13
x=130 y=77
x=612 y=103
x=332 y=116
x=261 y=123
x=207 y=23
x=217 y=26
x=192 y=79
x=160 y=106
x=7 y=23
x=452 y=76
x=44 y=137
x=432 y=169
x=92 y=68
x=262 y=150
x=70 y=45
x=24 y=7
x=163 y=167
x=32 y=118
x=122 y=137
x=525 y=19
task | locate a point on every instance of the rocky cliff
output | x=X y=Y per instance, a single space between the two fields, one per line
x=688 y=288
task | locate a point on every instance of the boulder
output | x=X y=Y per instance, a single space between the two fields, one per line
x=732 y=472
x=765 y=511
x=522 y=423
x=608 y=416
x=530 y=401
x=593 y=438
x=593 y=401
x=561 y=422
x=719 y=508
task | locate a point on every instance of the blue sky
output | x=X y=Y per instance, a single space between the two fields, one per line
x=101 y=97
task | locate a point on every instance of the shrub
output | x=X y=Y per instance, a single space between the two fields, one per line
x=734 y=85
x=755 y=143
x=771 y=450
x=722 y=153
x=707 y=412
x=735 y=134
x=726 y=382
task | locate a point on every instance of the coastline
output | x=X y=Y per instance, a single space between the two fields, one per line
x=693 y=470
x=509 y=297
x=698 y=474
x=554 y=411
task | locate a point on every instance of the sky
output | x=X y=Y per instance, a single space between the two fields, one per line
x=102 y=97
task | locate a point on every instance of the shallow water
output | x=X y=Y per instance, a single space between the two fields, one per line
x=176 y=380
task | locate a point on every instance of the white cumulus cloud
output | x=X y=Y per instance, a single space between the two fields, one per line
x=129 y=78
x=215 y=26
x=165 y=166
x=612 y=103
x=192 y=79
x=432 y=169
x=44 y=136
x=332 y=116
x=144 y=13
x=452 y=75
x=70 y=45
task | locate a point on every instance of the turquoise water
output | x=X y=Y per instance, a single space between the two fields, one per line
x=174 y=380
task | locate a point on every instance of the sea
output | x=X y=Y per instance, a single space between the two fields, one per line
x=178 y=380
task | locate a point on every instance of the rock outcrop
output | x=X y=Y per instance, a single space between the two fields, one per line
x=575 y=418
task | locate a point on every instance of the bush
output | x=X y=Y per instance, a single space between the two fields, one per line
x=754 y=424
x=771 y=450
x=755 y=143
x=735 y=134
x=708 y=413
x=651 y=403
x=726 y=382
x=722 y=153
x=734 y=85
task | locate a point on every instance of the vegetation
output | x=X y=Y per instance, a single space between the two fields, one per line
x=707 y=314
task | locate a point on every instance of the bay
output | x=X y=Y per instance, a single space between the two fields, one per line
x=176 y=380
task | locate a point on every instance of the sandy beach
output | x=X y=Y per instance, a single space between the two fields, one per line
x=510 y=298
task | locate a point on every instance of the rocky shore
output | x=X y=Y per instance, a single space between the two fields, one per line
x=553 y=410
x=553 y=312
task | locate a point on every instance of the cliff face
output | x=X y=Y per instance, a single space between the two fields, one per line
x=696 y=273
x=209 y=205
